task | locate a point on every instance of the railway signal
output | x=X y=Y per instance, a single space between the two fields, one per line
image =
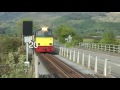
x=27 y=34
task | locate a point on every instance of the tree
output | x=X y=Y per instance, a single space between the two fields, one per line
x=76 y=40
x=108 y=38
x=64 y=31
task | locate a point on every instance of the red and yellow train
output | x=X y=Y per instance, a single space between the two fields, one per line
x=44 y=40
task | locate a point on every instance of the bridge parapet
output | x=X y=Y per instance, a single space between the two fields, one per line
x=103 y=47
x=98 y=65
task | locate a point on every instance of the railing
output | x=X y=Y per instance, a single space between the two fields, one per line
x=98 y=65
x=102 y=47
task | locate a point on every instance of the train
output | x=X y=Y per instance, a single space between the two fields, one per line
x=44 y=40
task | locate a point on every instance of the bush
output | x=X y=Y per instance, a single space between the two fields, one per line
x=69 y=44
x=77 y=38
x=108 y=38
x=21 y=50
x=17 y=70
x=9 y=44
x=96 y=40
x=75 y=43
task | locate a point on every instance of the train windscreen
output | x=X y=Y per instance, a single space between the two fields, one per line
x=41 y=33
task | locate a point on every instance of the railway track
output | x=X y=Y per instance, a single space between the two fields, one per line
x=59 y=69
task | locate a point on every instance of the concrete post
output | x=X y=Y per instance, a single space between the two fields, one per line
x=105 y=48
x=114 y=48
x=95 y=69
x=119 y=49
x=59 y=50
x=89 y=61
x=98 y=46
x=78 y=58
x=101 y=47
x=105 y=67
x=95 y=46
x=64 y=51
x=36 y=65
x=70 y=54
x=74 y=56
x=67 y=52
x=83 y=59
x=109 y=48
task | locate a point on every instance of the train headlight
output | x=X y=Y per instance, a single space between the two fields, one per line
x=44 y=28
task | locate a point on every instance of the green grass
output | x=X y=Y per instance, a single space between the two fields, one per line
x=87 y=40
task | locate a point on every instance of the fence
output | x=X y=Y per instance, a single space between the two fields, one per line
x=104 y=67
x=102 y=47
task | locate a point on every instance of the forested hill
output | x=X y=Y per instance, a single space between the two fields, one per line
x=91 y=23
x=11 y=22
x=6 y=16
x=84 y=23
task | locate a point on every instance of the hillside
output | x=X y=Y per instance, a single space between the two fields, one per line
x=110 y=17
x=39 y=16
x=6 y=16
x=9 y=20
x=83 y=23
x=89 y=23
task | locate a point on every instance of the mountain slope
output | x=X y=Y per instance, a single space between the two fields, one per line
x=88 y=23
x=84 y=23
x=110 y=17
x=39 y=16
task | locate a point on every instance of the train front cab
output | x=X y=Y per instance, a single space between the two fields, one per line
x=44 y=39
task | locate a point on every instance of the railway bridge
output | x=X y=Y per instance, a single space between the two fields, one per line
x=101 y=59
x=88 y=60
